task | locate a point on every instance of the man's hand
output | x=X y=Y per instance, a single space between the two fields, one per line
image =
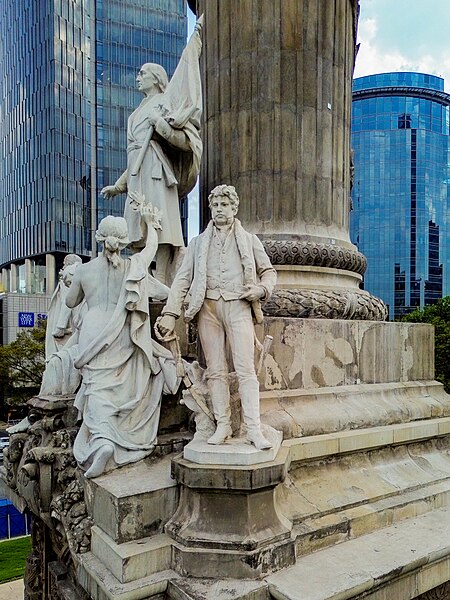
x=252 y=293
x=165 y=325
x=153 y=118
x=109 y=191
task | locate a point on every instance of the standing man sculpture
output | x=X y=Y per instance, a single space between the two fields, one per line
x=227 y=273
x=164 y=149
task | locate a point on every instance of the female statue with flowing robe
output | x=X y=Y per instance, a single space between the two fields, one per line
x=164 y=149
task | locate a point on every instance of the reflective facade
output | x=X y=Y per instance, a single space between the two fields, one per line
x=400 y=195
x=67 y=86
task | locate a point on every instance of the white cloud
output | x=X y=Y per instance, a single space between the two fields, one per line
x=373 y=58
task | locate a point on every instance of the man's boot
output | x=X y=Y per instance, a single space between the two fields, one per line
x=220 y=398
x=249 y=394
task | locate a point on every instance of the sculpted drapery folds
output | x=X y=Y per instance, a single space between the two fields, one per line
x=61 y=342
x=164 y=149
x=124 y=372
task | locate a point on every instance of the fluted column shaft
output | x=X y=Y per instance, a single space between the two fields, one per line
x=277 y=88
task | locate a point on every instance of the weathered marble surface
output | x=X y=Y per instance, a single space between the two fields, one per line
x=318 y=353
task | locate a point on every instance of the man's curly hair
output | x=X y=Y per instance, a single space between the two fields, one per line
x=224 y=190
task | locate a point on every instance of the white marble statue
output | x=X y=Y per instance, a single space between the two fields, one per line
x=164 y=149
x=124 y=372
x=227 y=273
x=60 y=377
x=60 y=325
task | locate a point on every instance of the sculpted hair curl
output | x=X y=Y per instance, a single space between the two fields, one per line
x=224 y=190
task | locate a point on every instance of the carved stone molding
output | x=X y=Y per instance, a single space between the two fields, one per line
x=34 y=567
x=60 y=587
x=42 y=471
x=442 y=592
x=307 y=253
x=326 y=304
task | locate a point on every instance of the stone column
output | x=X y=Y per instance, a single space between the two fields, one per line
x=28 y=276
x=277 y=80
x=50 y=278
x=5 y=279
x=13 y=278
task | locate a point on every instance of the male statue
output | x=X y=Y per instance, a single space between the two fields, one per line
x=124 y=371
x=227 y=273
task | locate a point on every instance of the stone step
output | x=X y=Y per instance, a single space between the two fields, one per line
x=132 y=560
x=339 y=497
x=323 y=531
x=410 y=557
x=370 y=438
x=326 y=410
x=101 y=584
x=135 y=501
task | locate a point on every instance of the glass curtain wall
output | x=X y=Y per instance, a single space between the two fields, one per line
x=67 y=83
x=400 y=195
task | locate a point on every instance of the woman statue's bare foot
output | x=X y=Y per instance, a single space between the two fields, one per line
x=101 y=457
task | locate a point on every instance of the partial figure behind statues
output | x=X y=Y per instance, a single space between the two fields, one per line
x=164 y=150
x=124 y=371
x=60 y=325
x=60 y=377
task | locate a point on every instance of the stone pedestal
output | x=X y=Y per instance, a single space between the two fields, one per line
x=227 y=523
x=235 y=451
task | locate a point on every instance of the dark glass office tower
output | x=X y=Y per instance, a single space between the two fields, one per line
x=67 y=86
x=400 y=196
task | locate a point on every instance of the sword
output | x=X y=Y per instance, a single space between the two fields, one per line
x=173 y=341
x=264 y=352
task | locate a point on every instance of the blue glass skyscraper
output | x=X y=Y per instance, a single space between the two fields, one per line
x=401 y=195
x=67 y=86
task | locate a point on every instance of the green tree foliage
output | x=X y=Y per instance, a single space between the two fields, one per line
x=438 y=315
x=21 y=366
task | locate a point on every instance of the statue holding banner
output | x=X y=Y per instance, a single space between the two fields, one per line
x=164 y=150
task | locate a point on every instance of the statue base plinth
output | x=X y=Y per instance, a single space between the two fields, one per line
x=227 y=523
x=235 y=451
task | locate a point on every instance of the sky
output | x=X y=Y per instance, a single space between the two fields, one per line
x=401 y=35
x=394 y=35
x=404 y=35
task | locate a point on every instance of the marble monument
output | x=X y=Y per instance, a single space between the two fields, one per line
x=164 y=149
x=124 y=371
x=356 y=501
x=227 y=273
